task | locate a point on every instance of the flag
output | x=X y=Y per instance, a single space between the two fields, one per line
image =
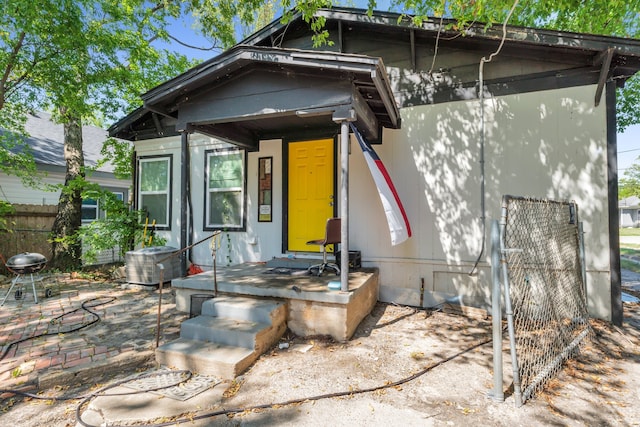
x=399 y=227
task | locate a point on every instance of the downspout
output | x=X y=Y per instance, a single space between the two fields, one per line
x=483 y=217
x=483 y=195
x=184 y=199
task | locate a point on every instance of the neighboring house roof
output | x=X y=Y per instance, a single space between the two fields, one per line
x=629 y=202
x=46 y=140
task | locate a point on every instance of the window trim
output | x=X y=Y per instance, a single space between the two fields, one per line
x=169 y=159
x=243 y=220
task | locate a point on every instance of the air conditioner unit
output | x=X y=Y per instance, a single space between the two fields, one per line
x=141 y=265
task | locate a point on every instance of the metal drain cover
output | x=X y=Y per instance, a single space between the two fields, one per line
x=162 y=382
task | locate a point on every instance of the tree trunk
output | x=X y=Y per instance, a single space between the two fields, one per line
x=66 y=248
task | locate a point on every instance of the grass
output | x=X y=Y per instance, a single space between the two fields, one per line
x=629 y=250
x=630 y=265
x=630 y=231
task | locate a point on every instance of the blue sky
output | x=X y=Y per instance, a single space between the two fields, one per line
x=628 y=142
x=628 y=148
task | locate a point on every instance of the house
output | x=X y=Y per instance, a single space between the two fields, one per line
x=46 y=141
x=257 y=142
x=629 y=212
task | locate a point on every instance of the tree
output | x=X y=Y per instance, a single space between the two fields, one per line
x=88 y=60
x=630 y=184
x=84 y=60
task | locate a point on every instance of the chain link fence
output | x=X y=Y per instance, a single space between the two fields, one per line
x=543 y=276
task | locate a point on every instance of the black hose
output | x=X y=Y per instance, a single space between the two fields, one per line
x=84 y=306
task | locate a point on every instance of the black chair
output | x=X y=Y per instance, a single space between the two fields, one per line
x=332 y=237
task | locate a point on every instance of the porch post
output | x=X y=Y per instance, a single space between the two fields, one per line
x=184 y=198
x=344 y=206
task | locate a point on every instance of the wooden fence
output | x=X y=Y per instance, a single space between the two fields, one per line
x=29 y=231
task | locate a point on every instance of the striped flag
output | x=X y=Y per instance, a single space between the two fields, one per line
x=399 y=227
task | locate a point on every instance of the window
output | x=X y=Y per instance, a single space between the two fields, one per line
x=225 y=189
x=89 y=210
x=154 y=189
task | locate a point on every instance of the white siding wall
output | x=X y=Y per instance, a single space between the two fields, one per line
x=547 y=144
x=261 y=241
x=12 y=190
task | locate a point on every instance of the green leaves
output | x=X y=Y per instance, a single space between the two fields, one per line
x=6 y=208
x=627 y=103
x=93 y=57
x=630 y=184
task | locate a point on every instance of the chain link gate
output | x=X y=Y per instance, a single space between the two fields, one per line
x=540 y=251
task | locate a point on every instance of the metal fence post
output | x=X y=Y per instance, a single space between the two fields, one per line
x=583 y=264
x=497 y=394
x=161 y=267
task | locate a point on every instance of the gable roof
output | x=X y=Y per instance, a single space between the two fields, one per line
x=46 y=141
x=253 y=85
x=629 y=202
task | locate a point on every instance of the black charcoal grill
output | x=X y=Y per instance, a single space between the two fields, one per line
x=26 y=266
x=26 y=263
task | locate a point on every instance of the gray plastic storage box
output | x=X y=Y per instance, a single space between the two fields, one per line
x=141 y=265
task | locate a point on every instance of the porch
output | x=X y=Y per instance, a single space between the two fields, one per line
x=312 y=308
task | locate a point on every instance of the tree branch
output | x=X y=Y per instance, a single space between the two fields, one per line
x=213 y=47
x=10 y=64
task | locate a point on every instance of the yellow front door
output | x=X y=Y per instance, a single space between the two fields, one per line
x=311 y=187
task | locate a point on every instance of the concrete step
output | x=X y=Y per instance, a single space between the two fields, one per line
x=242 y=308
x=222 y=330
x=206 y=358
x=236 y=331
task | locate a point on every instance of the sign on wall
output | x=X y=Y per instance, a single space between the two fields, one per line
x=264 y=189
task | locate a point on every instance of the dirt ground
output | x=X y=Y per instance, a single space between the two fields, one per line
x=418 y=368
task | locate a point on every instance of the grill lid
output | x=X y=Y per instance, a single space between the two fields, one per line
x=26 y=259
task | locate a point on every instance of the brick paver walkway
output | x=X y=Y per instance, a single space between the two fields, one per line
x=127 y=324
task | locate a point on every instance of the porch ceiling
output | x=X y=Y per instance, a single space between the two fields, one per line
x=251 y=93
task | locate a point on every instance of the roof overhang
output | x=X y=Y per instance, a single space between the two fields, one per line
x=624 y=53
x=250 y=93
